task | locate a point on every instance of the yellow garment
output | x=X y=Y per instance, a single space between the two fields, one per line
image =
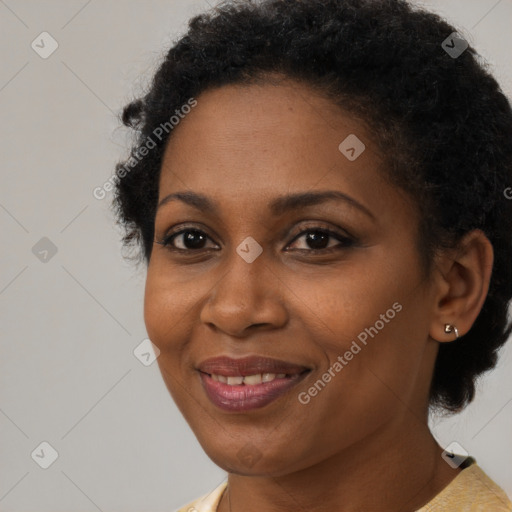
x=470 y=491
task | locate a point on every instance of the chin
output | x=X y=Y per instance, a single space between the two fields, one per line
x=247 y=459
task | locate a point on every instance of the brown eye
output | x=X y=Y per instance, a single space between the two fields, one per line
x=189 y=239
x=317 y=239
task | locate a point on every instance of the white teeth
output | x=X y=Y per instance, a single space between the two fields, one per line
x=235 y=381
x=252 y=379
x=249 y=380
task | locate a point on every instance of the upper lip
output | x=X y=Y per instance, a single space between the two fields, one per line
x=252 y=365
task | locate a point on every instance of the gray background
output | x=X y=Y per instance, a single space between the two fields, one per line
x=69 y=324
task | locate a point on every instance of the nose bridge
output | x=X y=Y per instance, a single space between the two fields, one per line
x=246 y=258
x=244 y=295
x=247 y=270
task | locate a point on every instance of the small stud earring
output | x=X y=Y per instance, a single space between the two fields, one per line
x=449 y=328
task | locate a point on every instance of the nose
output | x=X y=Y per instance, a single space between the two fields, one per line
x=246 y=297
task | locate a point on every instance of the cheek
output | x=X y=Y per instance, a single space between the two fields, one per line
x=153 y=309
x=162 y=311
x=164 y=317
x=356 y=306
x=376 y=325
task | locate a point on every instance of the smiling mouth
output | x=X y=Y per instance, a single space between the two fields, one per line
x=248 y=380
x=244 y=393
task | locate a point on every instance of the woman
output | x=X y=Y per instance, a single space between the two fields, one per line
x=318 y=191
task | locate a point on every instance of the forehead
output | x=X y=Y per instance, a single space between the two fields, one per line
x=254 y=140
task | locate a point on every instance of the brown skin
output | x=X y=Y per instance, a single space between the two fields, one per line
x=363 y=441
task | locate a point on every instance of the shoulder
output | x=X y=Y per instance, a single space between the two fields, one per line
x=470 y=491
x=206 y=503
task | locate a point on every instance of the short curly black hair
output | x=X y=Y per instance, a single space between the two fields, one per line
x=441 y=121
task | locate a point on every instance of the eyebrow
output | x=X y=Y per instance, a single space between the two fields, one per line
x=277 y=206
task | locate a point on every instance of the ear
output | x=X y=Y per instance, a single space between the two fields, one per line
x=461 y=283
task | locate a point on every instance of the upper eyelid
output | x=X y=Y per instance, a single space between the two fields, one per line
x=180 y=228
x=312 y=224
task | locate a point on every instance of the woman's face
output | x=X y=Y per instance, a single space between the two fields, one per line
x=349 y=321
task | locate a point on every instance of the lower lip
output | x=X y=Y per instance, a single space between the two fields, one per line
x=240 y=398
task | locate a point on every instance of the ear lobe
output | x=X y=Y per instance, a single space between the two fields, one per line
x=462 y=286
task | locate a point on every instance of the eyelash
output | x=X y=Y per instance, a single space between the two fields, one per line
x=346 y=241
